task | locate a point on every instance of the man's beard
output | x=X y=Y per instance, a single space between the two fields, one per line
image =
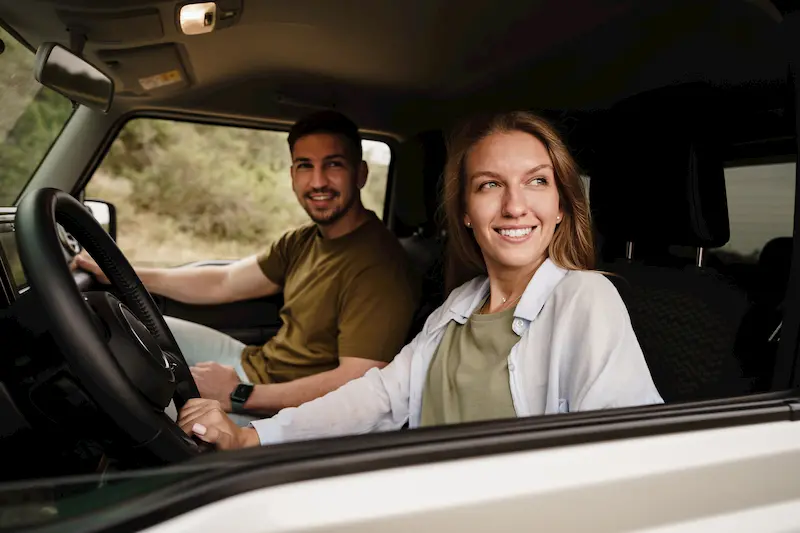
x=333 y=215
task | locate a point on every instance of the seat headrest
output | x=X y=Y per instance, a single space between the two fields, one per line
x=420 y=164
x=659 y=179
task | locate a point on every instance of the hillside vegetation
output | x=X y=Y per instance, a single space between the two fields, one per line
x=187 y=191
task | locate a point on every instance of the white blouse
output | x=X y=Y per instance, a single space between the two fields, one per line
x=577 y=352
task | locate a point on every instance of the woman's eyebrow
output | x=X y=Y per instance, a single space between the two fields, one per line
x=484 y=174
x=490 y=174
x=540 y=167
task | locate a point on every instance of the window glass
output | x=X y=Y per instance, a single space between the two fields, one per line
x=186 y=192
x=760 y=208
x=31 y=117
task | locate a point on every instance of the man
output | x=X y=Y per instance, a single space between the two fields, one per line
x=349 y=289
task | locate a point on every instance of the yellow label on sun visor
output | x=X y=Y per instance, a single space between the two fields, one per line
x=160 y=80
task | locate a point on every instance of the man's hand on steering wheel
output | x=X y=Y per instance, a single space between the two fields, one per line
x=85 y=262
x=206 y=420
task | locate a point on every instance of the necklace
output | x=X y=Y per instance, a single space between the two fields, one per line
x=503 y=305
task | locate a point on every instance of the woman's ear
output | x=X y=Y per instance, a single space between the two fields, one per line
x=467 y=221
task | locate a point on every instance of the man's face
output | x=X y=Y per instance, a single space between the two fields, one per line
x=325 y=178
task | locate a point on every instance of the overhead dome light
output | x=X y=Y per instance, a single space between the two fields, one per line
x=196 y=19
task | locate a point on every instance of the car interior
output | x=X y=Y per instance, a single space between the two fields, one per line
x=656 y=100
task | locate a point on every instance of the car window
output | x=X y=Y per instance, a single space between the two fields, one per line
x=760 y=208
x=186 y=192
x=31 y=117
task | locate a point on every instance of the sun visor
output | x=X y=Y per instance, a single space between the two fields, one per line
x=138 y=25
x=147 y=71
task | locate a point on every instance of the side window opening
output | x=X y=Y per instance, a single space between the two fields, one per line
x=760 y=208
x=186 y=192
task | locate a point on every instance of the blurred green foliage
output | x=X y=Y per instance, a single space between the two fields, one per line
x=31 y=117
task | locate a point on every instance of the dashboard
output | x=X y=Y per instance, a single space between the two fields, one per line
x=14 y=281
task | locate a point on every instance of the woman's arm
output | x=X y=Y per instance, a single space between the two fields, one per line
x=378 y=401
x=607 y=368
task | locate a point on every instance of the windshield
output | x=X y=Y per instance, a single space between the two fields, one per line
x=31 y=117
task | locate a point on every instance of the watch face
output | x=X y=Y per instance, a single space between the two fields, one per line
x=242 y=392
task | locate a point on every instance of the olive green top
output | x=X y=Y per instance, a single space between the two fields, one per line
x=352 y=296
x=468 y=378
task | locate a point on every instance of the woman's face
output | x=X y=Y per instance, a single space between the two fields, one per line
x=512 y=201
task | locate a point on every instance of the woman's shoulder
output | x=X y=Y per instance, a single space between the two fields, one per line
x=588 y=285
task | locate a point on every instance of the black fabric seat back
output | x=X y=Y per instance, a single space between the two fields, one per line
x=425 y=153
x=660 y=182
x=762 y=325
x=687 y=322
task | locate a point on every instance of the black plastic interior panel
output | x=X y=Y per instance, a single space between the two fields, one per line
x=252 y=322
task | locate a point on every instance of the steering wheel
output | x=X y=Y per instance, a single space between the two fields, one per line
x=120 y=351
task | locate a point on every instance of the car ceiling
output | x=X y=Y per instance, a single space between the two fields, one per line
x=397 y=66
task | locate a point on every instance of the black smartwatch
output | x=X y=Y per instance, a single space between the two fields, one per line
x=239 y=396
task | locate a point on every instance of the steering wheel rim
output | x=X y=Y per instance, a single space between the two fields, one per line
x=83 y=333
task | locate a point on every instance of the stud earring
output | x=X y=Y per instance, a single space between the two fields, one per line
x=469 y=224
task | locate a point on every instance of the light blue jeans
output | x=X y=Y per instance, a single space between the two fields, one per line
x=199 y=344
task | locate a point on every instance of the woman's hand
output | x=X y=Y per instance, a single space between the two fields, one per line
x=207 y=420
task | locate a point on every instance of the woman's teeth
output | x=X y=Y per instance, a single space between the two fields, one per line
x=514 y=232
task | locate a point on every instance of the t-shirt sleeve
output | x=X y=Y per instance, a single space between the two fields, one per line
x=274 y=261
x=376 y=312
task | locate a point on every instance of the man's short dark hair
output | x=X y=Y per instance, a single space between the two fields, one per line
x=331 y=122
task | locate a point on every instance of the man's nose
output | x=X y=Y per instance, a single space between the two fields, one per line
x=319 y=178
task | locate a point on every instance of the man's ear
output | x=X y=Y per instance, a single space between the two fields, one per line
x=291 y=174
x=363 y=172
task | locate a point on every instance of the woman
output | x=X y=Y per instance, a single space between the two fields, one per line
x=529 y=330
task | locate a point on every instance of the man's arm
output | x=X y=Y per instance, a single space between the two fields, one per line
x=272 y=398
x=241 y=280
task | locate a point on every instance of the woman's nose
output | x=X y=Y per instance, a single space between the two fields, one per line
x=514 y=204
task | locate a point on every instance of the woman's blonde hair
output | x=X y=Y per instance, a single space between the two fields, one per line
x=572 y=246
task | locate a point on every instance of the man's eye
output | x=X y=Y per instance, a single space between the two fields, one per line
x=335 y=164
x=488 y=185
x=303 y=166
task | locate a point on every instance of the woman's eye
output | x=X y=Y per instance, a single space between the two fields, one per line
x=538 y=181
x=488 y=185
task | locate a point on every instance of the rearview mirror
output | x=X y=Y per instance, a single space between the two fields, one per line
x=105 y=214
x=59 y=69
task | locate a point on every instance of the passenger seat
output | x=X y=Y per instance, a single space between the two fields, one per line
x=759 y=340
x=655 y=187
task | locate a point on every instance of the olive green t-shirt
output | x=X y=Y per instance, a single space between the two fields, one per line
x=468 y=377
x=353 y=296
